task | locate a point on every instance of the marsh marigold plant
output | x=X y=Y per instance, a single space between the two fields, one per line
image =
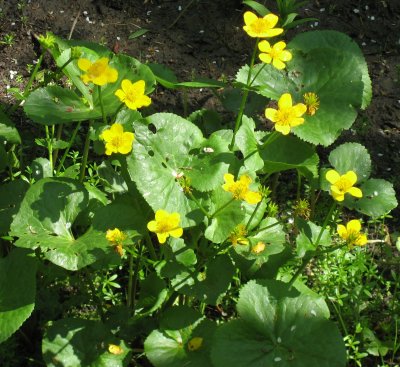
x=165 y=225
x=261 y=27
x=240 y=188
x=287 y=115
x=117 y=141
x=97 y=72
x=132 y=94
x=343 y=184
x=275 y=54
x=351 y=233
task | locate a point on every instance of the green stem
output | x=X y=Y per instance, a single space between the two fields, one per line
x=253 y=214
x=255 y=76
x=244 y=97
x=85 y=153
x=271 y=138
x=150 y=246
x=71 y=142
x=66 y=63
x=116 y=112
x=130 y=280
x=136 y=275
x=49 y=140
x=58 y=137
x=222 y=208
x=307 y=259
x=298 y=185
x=101 y=105
x=267 y=227
x=199 y=205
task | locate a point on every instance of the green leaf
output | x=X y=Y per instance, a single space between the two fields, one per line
x=138 y=33
x=351 y=157
x=45 y=219
x=209 y=286
x=278 y=327
x=181 y=252
x=179 y=317
x=307 y=237
x=225 y=220
x=259 y=8
x=17 y=290
x=82 y=343
x=11 y=195
x=153 y=293
x=202 y=83
x=289 y=152
x=247 y=141
x=165 y=76
x=8 y=130
x=338 y=41
x=169 y=348
x=159 y=158
x=41 y=168
x=379 y=198
x=210 y=161
x=3 y=158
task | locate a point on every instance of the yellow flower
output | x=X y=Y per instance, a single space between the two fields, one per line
x=195 y=343
x=132 y=94
x=97 y=72
x=238 y=236
x=343 y=184
x=275 y=54
x=240 y=189
x=115 y=349
x=115 y=236
x=165 y=225
x=287 y=115
x=117 y=141
x=261 y=27
x=312 y=102
x=351 y=233
x=258 y=248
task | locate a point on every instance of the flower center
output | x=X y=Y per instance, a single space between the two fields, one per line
x=239 y=190
x=343 y=184
x=96 y=70
x=260 y=25
x=117 y=141
x=285 y=116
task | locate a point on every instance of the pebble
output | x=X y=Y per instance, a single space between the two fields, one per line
x=356 y=11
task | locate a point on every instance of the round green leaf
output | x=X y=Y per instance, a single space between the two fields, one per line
x=307 y=237
x=225 y=220
x=379 y=198
x=45 y=219
x=289 y=152
x=153 y=292
x=336 y=40
x=248 y=142
x=278 y=327
x=169 y=348
x=82 y=343
x=351 y=157
x=7 y=129
x=17 y=290
x=160 y=158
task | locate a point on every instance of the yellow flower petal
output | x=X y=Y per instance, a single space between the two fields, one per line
x=161 y=215
x=265 y=58
x=229 y=178
x=355 y=191
x=126 y=85
x=272 y=32
x=249 y=17
x=361 y=240
x=332 y=176
x=342 y=231
x=270 y=114
x=337 y=197
x=283 y=129
x=264 y=46
x=178 y=232
x=285 y=101
x=351 y=177
x=111 y=75
x=272 y=19
x=299 y=109
x=354 y=226
x=252 y=197
x=152 y=226
x=116 y=129
x=278 y=64
x=279 y=46
x=296 y=121
x=162 y=237
x=285 y=56
x=120 y=94
x=84 y=64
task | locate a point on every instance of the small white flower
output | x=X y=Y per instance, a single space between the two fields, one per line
x=208 y=150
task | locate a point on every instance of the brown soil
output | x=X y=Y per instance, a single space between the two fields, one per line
x=207 y=41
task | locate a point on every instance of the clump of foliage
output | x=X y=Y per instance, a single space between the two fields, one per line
x=166 y=237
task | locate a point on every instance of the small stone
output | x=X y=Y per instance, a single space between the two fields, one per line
x=356 y=11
